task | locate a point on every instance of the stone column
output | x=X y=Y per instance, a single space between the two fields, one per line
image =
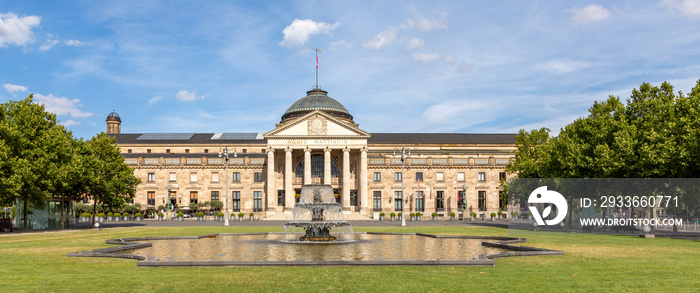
x=288 y=177
x=327 y=166
x=364 y=201
x=346 y=179
x=307 y=166
x=271 y=190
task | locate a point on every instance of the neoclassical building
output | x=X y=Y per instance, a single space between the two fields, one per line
x=318 y=142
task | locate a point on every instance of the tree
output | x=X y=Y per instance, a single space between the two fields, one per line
x=33 y=148
x=108 y=180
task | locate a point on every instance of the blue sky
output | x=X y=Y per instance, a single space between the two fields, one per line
x=398 y=66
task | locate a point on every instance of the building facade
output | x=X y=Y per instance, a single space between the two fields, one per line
x=317 y=142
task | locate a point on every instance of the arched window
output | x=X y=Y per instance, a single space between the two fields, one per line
x=317 y=167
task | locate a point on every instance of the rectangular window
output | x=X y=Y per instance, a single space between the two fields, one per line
x=128 y=151
x=258 y=176
x=167 y=151
x=419 y=176
x=440 y=201
x=148 y=151
x=263 y=151
x=206 y=151
x=257 y=201
x=172 y=177
x=420 y=200
x=245 y=151
x=214 y=195
x=482 y=200
x=398 y=176
x=377 y=176
x=215 y=177
x=151 y=177
x=482 y=176
x=460 y=201
x=501 y=176
x=187 y=151
x=193 y=177
x=151 y=196
x=377 y=201
x=440 y=177
x=338 y=198
x=398 y=201
x=173 y=196
x=280 y=198
x=236 y=199
x=353 y=197
x=236 y=177
x=460 y=176
x=194 y=197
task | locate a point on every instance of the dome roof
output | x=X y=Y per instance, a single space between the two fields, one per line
x=113 y=117
x=316 y=99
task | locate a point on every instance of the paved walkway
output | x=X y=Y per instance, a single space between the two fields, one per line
x=195 y=223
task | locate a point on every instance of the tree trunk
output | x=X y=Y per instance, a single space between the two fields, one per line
x=63 y=224
x=26 y=221
x=94 y=212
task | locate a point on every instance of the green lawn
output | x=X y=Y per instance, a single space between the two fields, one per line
x=38 y=262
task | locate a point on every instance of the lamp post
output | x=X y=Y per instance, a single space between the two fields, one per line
x=167 y=203
x=223 y=152
x=402 y=151
x=464 y=196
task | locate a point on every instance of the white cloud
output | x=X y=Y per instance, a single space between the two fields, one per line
x=12 y=88
x=423 y=24
x=414 y=43
x=155 y=100
x=588 y=14
x=68 y=123
x=48 y=45
x=564 y=66
x=382 y=39
x=73 y=43
x=61 y=106
x=425 y=57
x=339 y=45
x=186 y=96
x=17 y=30
x=455 y=110
x=297 y=33
x=690 y=8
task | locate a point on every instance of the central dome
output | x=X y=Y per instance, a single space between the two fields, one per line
x=316 y=99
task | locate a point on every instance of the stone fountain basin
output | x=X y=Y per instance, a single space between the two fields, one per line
x=270 y=249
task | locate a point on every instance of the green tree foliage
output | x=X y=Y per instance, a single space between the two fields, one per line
x=33 y=150
x=655 y=134
x=108 y=180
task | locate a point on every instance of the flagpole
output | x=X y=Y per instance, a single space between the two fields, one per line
x=317 y=51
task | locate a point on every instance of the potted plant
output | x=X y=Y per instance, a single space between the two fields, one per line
x=515 y=215
x=493 y=217
x=109 y=216
x=434 y=216
x=233 y=217
x=500 y=214
x=200 y=216
x=138 y=217
x=117 y=216
x=85 y=217
x=221 y=216
x=381 y=216
x=400 y=215
x=452 y=216
x=392 y=216
x=240 y=217
x=529 y=215
x=126 y=216
x=418 y=215
x=473 y=216
x=160 y=216
x=100 y=217
x=180 y=216
x=413 y=216
x=252 y=216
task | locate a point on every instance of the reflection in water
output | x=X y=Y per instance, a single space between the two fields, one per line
x=268 y=247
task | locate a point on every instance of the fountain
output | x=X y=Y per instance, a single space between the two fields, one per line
x=317 y=213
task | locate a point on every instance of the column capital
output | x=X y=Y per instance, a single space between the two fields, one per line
x=327 y=150
x=270 y=150
x=307 y=150
x=288 y=150
x=346 y=150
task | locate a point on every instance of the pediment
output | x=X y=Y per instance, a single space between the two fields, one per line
x=316 y=124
